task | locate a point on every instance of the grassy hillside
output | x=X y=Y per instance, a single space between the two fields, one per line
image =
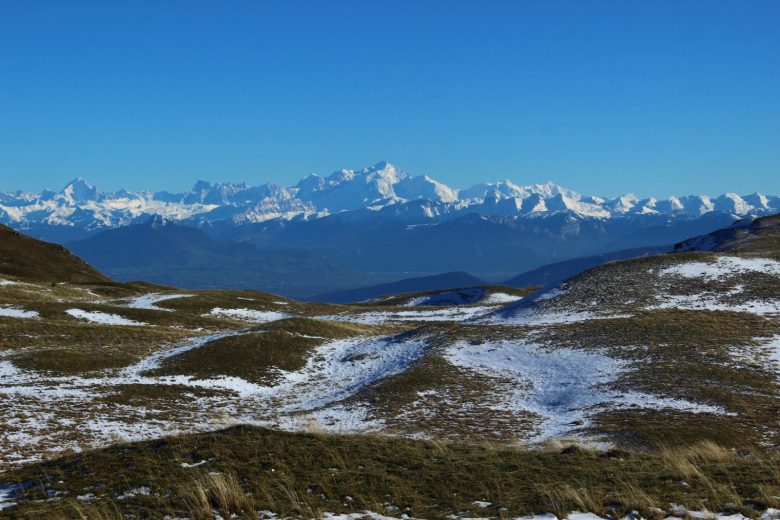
x=30 y=259
x=761 y=235
x=245 y=470
x=641 y=384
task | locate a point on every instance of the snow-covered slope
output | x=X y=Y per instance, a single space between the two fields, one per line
x=82 y=207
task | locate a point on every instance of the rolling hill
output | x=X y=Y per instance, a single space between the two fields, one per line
x=560 y=271
x=646 y=385
x=30 y=259
x=760 y=235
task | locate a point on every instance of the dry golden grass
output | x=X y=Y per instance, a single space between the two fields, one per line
x=684 y=461
x=75 y=510
x=252 y=469
x=221 y=492
x=564 y=498
x=632 y=497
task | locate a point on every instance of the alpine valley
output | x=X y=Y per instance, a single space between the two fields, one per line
x=357 y=228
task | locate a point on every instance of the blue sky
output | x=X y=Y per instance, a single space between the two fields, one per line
x=605 y=97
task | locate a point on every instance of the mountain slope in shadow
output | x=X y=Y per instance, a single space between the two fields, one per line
x=166 y=252
x=437 y=282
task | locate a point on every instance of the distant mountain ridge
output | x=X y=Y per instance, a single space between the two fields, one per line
x=357 y=228
x=166 y=252
x=81 y=208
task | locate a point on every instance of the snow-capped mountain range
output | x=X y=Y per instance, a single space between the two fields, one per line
x=383 y=190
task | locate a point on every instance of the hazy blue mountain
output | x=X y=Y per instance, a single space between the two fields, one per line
x=166 y=252
x=408 y=285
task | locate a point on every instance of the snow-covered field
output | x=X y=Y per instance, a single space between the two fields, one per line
x=336 y=370
x=724 y=274
x=561 y=386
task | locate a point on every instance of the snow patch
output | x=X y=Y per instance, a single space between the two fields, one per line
x=194 y=464
x=535 y=316
x=772 y=349
x=559 y=385
x=723 y=267
x=380 y=317
x=130 y=493
x=712 y=302
x=338 y=369
x=152 y=362
x=15 y=312
x=498 y=298
x=102 y=318
x=148 y=301
x=252 y=315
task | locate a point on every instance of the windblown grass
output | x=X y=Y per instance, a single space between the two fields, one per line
x=249 y=469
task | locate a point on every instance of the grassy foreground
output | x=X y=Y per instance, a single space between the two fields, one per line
x=243 y=470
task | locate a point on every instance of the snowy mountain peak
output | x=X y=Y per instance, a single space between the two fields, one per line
x=424 y=187
x=731 y=203
x=502 y=188
x=79 y=190
x=624 y=204
x=201 y=185
x=550 y=189
x=386 y=171
x=81 y=206
x=311 y=182
x=757 y=200
x=381 y=165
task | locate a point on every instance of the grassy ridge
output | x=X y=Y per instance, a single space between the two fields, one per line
x=25 y=257
x=247 y=469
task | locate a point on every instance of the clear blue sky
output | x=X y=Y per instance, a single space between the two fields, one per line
x=657 y=97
